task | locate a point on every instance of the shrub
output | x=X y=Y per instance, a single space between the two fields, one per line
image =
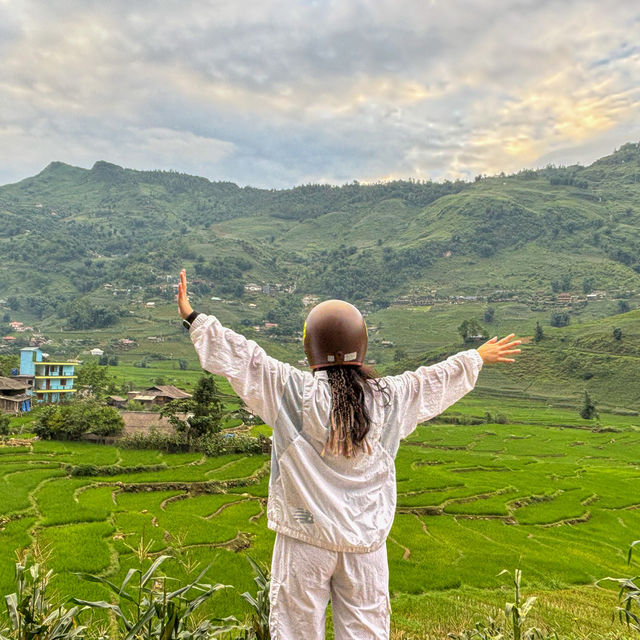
x=496 y=418
x=559 y=319
x=71 y=421
x=5 y=420
x=215 y=444
x=110 y=469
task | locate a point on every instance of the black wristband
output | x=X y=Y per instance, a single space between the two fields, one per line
x=188 y=321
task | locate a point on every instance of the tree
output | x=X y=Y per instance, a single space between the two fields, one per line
x=95 y=378
x=82 y=315
x=5 y=430
x=183 y=364
x=617 y=333
x=103 y=420
x=7 y=363
x=588 y=411
x=205 y=406
x=208 y=409
x=588 y=284
x=539 y=333
x=469 y=328
x=623 y=306
x=49 y=422
x=71 y=421
x=400 y=354
x=559 y=319
x=489 y=313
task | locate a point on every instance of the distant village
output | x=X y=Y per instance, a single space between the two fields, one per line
x=540 y=300
x=41 y=380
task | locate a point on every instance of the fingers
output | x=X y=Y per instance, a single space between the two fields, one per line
x=500 y=359
x=506 y=338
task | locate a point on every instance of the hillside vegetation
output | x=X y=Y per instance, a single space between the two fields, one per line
x=68 y=231
x=85 y=249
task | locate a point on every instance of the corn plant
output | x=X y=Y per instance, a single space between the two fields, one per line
x=517 y=612
x=31 y=612
x=628 y=608
x=147 y=609
x=515 y=617
x=258 y=626
x=481 y=631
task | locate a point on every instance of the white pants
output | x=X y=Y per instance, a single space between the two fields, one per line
x=304 y=577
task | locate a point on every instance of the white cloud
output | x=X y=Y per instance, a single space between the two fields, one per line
x=297 y=91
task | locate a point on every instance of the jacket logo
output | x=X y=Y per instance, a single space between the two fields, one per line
x=303 y=516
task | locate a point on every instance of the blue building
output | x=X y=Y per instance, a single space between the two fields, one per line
x=52 y=381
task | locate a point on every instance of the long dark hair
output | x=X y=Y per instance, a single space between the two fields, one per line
x=350 y=420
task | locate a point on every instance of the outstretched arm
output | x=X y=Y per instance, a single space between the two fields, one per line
x=256 y=377
x=426 y=392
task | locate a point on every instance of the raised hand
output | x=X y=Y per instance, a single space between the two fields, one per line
x=184 y=306
x=496 y=350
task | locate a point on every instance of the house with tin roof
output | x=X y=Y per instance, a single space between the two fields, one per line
x=14 y=395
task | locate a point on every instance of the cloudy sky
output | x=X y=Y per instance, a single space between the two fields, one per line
x=274 y=93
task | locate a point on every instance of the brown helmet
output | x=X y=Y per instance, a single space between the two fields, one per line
x=334 y=333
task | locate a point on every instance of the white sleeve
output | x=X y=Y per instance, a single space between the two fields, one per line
x=428 y=391
x=256 y=377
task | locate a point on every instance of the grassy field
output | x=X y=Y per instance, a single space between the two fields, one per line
x=544 y=492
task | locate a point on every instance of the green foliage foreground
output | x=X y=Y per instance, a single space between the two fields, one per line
x=543 y=490
x=149 y=605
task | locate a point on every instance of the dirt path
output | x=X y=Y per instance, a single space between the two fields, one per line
x=407 y=552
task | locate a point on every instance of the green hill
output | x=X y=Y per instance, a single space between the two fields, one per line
x=83 y=250
x=69 y=230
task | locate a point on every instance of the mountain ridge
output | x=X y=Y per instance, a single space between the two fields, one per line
x=110 y=224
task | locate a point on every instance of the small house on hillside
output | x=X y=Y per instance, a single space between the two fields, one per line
x=116 y=401
x=14 y=396
x=146 y=401
x=166 y=393
x=157 y=396
x=96 y=352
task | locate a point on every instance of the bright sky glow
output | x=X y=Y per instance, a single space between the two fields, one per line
x=282 y=92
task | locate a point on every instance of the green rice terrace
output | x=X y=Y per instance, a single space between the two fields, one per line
x=548 y=492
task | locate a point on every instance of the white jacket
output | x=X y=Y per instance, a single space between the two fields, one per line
x=333 y=502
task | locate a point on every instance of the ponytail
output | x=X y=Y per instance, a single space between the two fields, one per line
x=350 y=420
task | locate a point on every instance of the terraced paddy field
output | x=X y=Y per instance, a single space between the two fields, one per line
x=545 y=493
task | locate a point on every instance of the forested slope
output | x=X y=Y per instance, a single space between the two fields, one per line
x=68 y=231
